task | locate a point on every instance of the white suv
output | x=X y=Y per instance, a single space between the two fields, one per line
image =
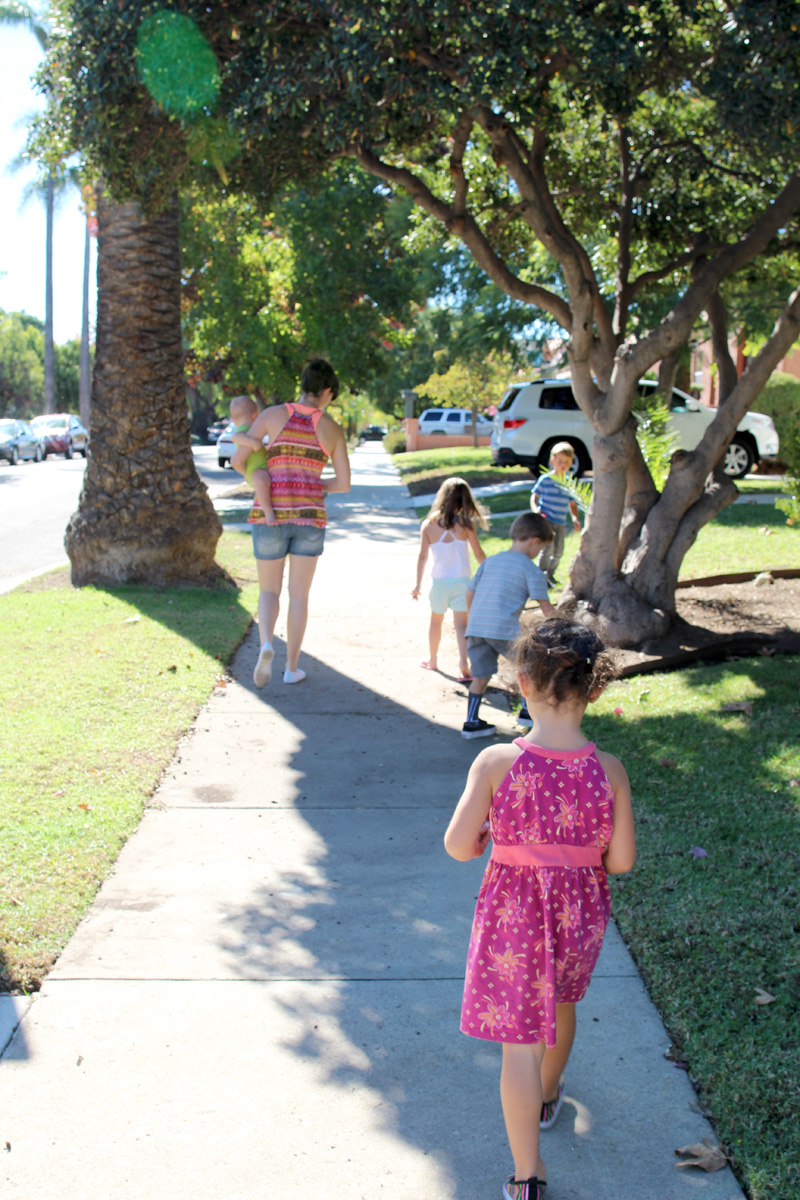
x=532 y=417
x=453 y=420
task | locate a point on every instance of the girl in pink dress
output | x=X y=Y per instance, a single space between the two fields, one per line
x=559 y=819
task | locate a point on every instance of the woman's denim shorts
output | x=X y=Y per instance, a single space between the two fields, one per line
x=276 y=541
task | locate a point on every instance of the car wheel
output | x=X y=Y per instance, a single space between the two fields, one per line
x=739 y=459
x=38 y=456
x=70 y=450
x=580 y=463
x=223 y=462
x=14 y=460
x=83 y=452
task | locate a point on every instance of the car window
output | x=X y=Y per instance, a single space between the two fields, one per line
x=453 y=416
x=7 y=427
x=433 y=414
x=557 y=397
x=508 y=399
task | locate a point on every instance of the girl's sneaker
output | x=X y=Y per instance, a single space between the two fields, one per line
x=531 y=1189
x=552 y=1108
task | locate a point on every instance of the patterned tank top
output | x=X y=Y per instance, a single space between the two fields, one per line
x=295 y=461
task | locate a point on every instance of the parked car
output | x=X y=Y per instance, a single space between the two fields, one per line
x=225 y=446
x=62 y=433
x=215 y=429
x=533 y=416
x=452 y=420
x=19 y=440
x=372 y=433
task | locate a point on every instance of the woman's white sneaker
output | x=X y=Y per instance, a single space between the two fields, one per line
x=263 y=671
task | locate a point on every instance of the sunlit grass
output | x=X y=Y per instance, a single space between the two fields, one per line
x=104 y=685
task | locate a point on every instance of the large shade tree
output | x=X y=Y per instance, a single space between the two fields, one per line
x=645 y=151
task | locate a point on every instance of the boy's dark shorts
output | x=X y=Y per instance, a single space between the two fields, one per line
x=484 y=653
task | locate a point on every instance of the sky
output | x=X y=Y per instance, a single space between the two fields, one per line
x=22 y=245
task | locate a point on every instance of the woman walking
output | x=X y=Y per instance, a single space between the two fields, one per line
x=299 y=439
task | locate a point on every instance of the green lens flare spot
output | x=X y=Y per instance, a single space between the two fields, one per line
x=176 y=64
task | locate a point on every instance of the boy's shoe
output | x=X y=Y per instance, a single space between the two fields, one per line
x=551 y=1108
x=531 y=1189
x=478 y=728
x=524 y=718
x=263 y=671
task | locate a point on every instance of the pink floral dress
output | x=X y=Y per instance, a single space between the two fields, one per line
x=544 y=903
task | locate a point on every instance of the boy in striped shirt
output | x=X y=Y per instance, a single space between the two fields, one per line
x=551 y=500
x=496 y=595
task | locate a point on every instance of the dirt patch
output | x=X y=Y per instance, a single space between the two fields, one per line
x=726 y=619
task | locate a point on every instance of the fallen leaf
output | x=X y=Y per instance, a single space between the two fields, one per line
x=706 y=1155
x=131 y=620
x=60 y=792
x=698 y=852
x=667 y=762
x=85 y=807
x=763 y=997
x=745 y=706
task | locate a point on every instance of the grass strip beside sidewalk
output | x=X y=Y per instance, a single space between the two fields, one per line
x=99 y=686
x=711 y=911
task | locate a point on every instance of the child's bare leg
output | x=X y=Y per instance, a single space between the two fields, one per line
x=434 y=638
x=261 y=486
x=521 y=1094
x=556 y=1057
x=460 y=622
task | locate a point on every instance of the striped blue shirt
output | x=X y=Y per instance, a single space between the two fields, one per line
x=554 y=501
x=500 y=587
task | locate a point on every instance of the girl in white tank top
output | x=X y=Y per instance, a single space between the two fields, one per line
x=449 y=533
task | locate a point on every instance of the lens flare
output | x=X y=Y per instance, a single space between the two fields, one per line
x=176 y=64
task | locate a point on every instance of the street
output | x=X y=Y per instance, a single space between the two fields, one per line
x=38 y=499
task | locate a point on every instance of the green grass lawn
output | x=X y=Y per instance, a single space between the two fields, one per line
x=104 y=685
x=744 y=537
x=423 y=471
x=708 y=931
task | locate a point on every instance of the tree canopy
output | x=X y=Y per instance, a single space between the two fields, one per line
x=616 y=166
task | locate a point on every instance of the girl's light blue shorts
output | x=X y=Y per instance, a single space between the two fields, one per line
x=276 y=541
x=449 y=593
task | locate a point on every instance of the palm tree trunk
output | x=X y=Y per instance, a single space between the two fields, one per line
x=85 y=381
x=49 y=349
x=144 y=515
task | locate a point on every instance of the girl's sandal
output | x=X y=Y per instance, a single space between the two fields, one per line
x=551 y=1108
x=530 y=1189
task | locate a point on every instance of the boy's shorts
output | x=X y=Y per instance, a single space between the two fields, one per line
x=276 y=541
x=484 y=653
x=449 y=593
x=256 y=461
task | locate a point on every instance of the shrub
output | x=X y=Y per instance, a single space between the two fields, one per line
x=780 y=400
x=395 y=441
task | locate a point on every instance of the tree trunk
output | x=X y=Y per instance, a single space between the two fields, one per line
x=144 y=515
x=85 y=381
x=49 y=349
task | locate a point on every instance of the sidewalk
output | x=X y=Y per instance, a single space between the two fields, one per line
x=263 y=1001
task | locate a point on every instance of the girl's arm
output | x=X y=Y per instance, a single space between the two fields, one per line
x=620 y=853
x=334 y=438
x=475 y=546
x=468 y=832
x=424 y=542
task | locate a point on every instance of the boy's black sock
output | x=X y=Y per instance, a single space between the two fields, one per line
x=473 y=705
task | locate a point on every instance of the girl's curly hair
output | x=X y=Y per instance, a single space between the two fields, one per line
x=563 y=660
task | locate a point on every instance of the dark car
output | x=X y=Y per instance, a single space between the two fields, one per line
x=62 y=433
x=215 y=429
x=372 y=433
x=18 y=440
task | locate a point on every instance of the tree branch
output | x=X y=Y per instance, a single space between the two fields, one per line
x=726 y=367
x=460 y=138
x=467 y=229
x=634 y=359
x=621 y=293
